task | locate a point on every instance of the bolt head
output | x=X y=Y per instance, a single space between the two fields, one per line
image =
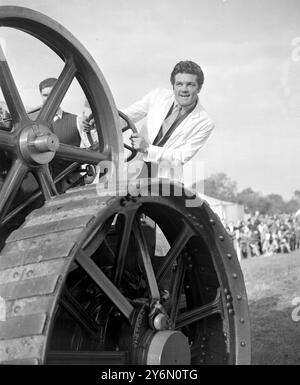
x=17 y=309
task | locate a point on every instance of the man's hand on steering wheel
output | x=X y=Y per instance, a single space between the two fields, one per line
x=139 y=143
x=89 y=124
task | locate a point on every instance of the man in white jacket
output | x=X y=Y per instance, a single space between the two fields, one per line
x=176 y=125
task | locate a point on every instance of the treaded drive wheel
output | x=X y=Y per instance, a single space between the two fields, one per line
x=80 y=282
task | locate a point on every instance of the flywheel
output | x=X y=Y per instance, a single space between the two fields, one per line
x=31 y=145
x=28 y=145
x=141 y=274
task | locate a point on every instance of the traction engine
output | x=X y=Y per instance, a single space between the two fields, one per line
x=80 y=278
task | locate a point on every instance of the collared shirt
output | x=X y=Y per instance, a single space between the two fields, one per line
x=185 y=111
x=59 y=114
x=163 y=135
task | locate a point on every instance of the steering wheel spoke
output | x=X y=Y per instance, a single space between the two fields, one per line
x=10 y=91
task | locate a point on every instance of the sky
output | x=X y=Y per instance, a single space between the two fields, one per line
x=249 y=52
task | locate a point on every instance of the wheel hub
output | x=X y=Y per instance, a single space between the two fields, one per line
x=38 y=144
x=169 y=347
x=164 y=347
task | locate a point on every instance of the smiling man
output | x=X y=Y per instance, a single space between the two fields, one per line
x=176 y=125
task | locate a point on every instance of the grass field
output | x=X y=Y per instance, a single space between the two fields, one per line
x=272 y=284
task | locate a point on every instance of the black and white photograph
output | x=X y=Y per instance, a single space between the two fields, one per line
x=149 y=187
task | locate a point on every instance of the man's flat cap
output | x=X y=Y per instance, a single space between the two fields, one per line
x=49 y=82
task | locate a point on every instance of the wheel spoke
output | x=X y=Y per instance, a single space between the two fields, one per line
x=175 y=251
x=97 y=237
x=79 y=155
x=57 y=94
x=11 y=185
x=79 y=315
x=10 y=91
x=37 y=194
x=6 y=140
x=45 y=180
x=143 y=249
x=123 y=245
x=105 y=284
x=200 y=312
x=177 y=285
x=20 y=207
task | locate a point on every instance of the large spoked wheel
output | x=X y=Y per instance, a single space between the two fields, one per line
x=94 y=287
x=122 y=303
x=31 y=145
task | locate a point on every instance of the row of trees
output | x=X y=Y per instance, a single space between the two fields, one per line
x=220 y=186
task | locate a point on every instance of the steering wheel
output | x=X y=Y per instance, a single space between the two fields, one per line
x=89 y=124
x=129 y=126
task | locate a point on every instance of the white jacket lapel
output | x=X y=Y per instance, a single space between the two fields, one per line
x=159 y=117
x=186 y=125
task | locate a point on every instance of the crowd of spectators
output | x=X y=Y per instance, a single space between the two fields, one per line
x=265 y=235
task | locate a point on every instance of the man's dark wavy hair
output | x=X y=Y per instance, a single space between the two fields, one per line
x=188 y=67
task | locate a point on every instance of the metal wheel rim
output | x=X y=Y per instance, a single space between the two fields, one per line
x=79 y=64
x=230 y=296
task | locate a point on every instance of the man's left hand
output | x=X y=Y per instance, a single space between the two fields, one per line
x=139 y=143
